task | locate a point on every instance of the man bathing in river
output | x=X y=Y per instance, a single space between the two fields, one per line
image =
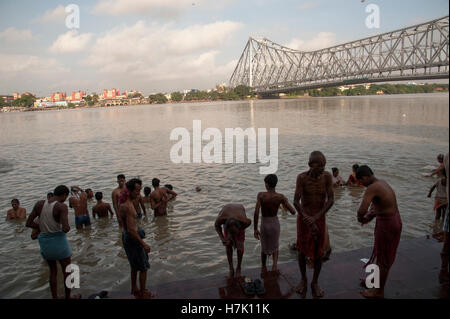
x=16 y=212
x=440 y=199
x=234 y=221
x=269 y=202
x=388 y=225
x=116 y=194
x=101 y=209
x=136 y=249
x=314 y=189
x=159 y=198
x=443 y=274
x=50 y=218
x=78 y=201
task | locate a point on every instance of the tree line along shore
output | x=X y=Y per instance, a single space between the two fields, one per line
x=241 y=92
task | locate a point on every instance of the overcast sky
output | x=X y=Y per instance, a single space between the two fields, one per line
x=170 y=45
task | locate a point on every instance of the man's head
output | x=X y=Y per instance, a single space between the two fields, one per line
x=134 y=187
x=365 y=175
x=168 y=186
x=61 y=193
x=271 y=181
x=317 y=163
x=355 y=168
x=121 y=180
x=15 y=203
x=335 y=171
x=50 y=195
x=147 y=191
x=155 y=182
x=99 y=196
x=232 y=226
x=440 y=158
x=89 y=193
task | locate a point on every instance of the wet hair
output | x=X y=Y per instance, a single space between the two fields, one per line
x=335 y=169
x=271 y=180
x=61 y=190
x=440 y=157
x=168 y=186
x=314 y=156
x=230 y=222
x=15 y=200
x=87 y=190
x=355 y=167
x=120 y=176
x=155 y=182
x=98 y=195
x=147 y=191
x=363 y=170
x=50 y=194
x=131 y=184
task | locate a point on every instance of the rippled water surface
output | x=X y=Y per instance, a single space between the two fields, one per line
x=398 y=136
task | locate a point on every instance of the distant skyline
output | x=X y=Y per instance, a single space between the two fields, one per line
x=171 y=45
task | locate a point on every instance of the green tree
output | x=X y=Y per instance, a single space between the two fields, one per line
x=25 y=100
x=242 y=91
x=176 y=96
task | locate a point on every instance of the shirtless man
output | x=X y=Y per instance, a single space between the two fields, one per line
x=116 y=194
x=269 y=202
x=89 y=194
x=234 y=221
x=78 y=201
x=159 y=198
x=388 y=224
x=439 y=170
x=138 y=204
x=101 y=209
x=444 y=273
x=314 y=189
x=136 y=249
x=16 y=212
x=50 y=218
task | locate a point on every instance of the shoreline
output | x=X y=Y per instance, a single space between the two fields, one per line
x=17 y=109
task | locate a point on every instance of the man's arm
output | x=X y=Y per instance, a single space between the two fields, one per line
x=298 y=195
x=110 y=210
x=93 y=212
x=218 y=225
x=367 y=199
x=256 y=217
x=115 y=200
x=141 y=202
x=288 y=206
x=64 y=217
x=34 y=213
x=171 y=192
x=432 y=189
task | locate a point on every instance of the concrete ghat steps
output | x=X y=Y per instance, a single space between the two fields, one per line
x=414 y=275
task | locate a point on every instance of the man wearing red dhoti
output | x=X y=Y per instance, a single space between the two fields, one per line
x=315 y=191
x=388 y=225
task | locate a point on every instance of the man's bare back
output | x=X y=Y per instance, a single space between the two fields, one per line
x=79 y=204
x=270 y=203
x=102 y=209
x=236 y=211
x=381 y=196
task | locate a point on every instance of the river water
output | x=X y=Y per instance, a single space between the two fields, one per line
x=398 y=136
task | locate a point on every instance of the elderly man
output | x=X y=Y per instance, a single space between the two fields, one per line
x=16 y=212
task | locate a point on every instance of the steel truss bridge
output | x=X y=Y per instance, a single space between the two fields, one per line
x=418 y=52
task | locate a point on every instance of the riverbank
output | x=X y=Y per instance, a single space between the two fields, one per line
x=12 y=109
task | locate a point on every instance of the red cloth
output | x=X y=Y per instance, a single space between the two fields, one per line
x=238 y=239
x=438 y=202
x=388 y=229
x=353 y=180
x=307 y=242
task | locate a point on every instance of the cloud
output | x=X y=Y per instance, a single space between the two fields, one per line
x=163 y=52
x=307 y=5
x=321 y=41
x=70 y=42
x=13 y=35
x=163 y=7
x=11 y=64
x=56 y=15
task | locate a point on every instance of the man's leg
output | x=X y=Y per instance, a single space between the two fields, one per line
x=53 y=275
x=317 y=292
x=142 y=281
x=229 y=250
x=240 y=253
x=302 y=287
x=134 y=288
x=275 y=261
x=263 y=264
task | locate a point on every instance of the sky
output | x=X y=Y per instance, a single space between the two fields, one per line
x=171 y=45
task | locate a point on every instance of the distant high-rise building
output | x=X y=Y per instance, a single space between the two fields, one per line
x=110 y=94
x=57 y=97
x=77 y=96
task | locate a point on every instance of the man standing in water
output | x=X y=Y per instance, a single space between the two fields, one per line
x=269 y=202
x=136 y=249
x=234 y=221
x=16 y=212
x=101 y=209
x=388 y=225
x=79 y=203
x=50 y=217
x=443 y=274
x=315 y=191
x=159 y=198
x=115 y=196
